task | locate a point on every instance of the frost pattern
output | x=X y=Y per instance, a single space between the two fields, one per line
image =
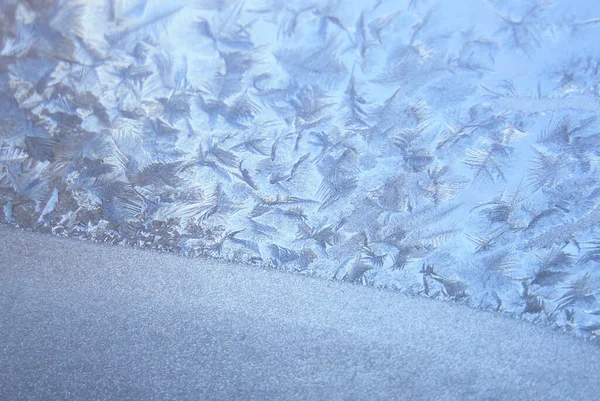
x=448 y=149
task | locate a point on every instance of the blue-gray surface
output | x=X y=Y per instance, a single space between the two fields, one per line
x=444 y=148
x=83 y=321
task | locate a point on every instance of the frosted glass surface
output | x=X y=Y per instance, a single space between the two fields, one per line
x=449 y=149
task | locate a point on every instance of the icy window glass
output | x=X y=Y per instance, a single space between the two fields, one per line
x=443 y=148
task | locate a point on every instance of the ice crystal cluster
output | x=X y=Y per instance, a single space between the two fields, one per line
x=443 y=148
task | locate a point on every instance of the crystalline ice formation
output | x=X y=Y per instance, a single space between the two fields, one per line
x=449 y=149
